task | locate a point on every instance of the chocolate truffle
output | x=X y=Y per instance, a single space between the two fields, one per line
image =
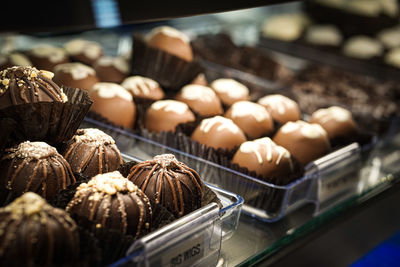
x=219 y=132
x=252 y=118
x=362 y=47
x=36 y=167
x=286 y=27
x=14 y=59
x=92 y=152
x=165 y=115
x=114 y=102
x=21 y=85
x=171 y=41
x=111 y=69
x=75 y=75
x=336 y=121
x=46 y=57
x=201 y=99
x=110 y=201
x=326 y=35
x=305 y=141
x=200 y=79
x=33 y=233
x=230 y=91
x=84 y=51
x=265 y=158
x=281 y=108
x=169 y=182
x=143 y=87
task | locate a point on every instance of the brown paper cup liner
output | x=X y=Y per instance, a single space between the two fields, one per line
x=168 y=70
x=7 y=126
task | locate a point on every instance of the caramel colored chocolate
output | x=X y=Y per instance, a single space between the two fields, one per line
x=219 y=132
x=113 y=70
x=169 y=182
x=33 y=233
x=143 y=87
x=46 y=57
x=281 y=108
x=75 y=75
x=92 y=152
x=112 y=202
x=254 y=120
x=84 y=51
x=21 y=85
x=230 y=91
x=36 y=167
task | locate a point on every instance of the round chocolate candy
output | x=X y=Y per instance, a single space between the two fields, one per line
x=75 y=75
x=143 y=87
x=111 y=69
x=14 y=59
x=84 y=51
x=281 y=108
x=46 y=57
x=230 y=91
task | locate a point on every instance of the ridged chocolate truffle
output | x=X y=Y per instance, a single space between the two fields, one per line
x=75 y=75
x=36 y=167
x=20 y=85
x=230 y=91
x=171 y=41
x=281 y=108
x=14 y=59
x=252 y=118
x=143 y=87
x=114 y=102
x=219 y=132
x=33 y=233
x=92 y=152
x=113 y=202
x=84 y=51
x=305 y=141
x=201 y=99
x=46 y=57
x=336 y=121
x=265 y=158
x=169 y=182
x=111 y=69
x=165 y=115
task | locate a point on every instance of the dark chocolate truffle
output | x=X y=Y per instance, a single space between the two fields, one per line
x=114 y=102
x=20 y=85
x=169 y=182
x=201 y=99
x=14 y=59
x=33 y=233
x=112 y=202
x=36 y=167
x=165 y=115
x=84 y=51
x=46 y=57
x=111 y=69
x=171 y=41
x=219 y=132
x=75 y=75
x=305 y=141
x=281 y=108
x=230 y=91
x=143 y=87
x=336 y=121
x=252 y=118
x=92 y=152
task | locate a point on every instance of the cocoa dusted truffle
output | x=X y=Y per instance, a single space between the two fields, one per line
x=281 y=108
x=336 y=121
x=219 y=132
x=75 y=75
x=165 y=115
x=230 y=91
x=111 y=69
x=265 y=158
x=171 y=41
x=112 y=202
x=21 y=85
x=201 y=99
x=46 y=57
x=33 y=233
x=36 y=167
x=169 y=182
x=305 y=141
x=114 y=102
x=252 y=118
x=84 y=51
x=91 y=152
x=143 y=87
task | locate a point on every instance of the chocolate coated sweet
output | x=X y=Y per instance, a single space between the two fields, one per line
x=143 y=87
x=169 y=182
x=281 y=108
x=111 y=69
x=46 y=57
x=9 y=60
x=84 y=51
x=75 y=75
x=230 y=91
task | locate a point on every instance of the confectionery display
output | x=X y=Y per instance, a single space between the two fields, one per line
x=111 y=69
x=114 y=102
x=92 y=152
x=201 y=99
x=75 y=75
x=36 y=167
x=33 y=233
x=169 y=182
x=362 y=47
x=83 y=51
x=165 y=115
x=219 y=132
x=143 y=87
x=281 y=108
x=327 y=35
x=286 y=27
x=254 y=120
x=46 y=57
x=14 y=59
x=230 y=91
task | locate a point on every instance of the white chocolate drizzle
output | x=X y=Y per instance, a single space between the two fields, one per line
x=221 y=123
x=247 y=109
x=110 y=90
x=277 y=102
x=170 y=106
x=332 y=113
x=117 y=62
x=252 y=147
x=309 y=130
x=78 y=71
x=19 y=59
x=140 y=85
x=54 y=54
x=169 y=31
x=91 y=50
x=198 y=92
x=230 y=87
